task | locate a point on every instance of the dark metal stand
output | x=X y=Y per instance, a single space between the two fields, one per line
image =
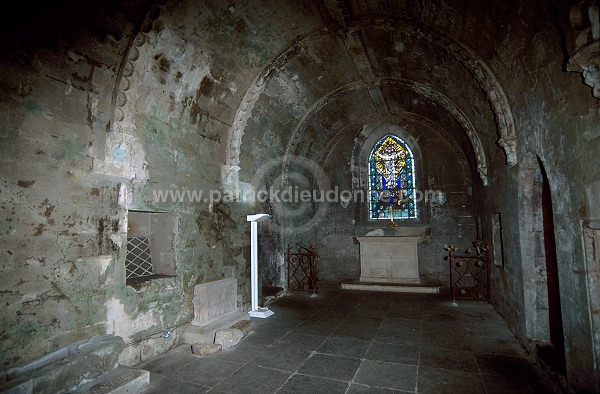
x=301 y=269
x=470 y=274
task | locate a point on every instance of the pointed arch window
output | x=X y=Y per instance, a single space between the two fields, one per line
x=392 y=193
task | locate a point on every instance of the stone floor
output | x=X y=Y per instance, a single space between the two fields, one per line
x=346 y=341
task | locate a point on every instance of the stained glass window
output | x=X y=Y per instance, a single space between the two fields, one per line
x=392 y=193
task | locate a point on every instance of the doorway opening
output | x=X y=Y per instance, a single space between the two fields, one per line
x=553 y=351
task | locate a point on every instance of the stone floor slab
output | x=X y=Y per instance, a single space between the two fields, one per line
x=328 y=366
x=252 y=379
x=206 y=371
x=461 y=360
x=393 y=353
x=387 y=375
x=422 y=342
x=312 y=384
x=362 y=389
x=346 y=347
x=447 y=381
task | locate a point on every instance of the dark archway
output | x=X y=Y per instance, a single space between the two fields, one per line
x=554 y=352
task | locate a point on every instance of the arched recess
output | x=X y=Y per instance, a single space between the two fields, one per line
x=541 y=298
x=477 y=68
x=421 y=89
x=361 y=129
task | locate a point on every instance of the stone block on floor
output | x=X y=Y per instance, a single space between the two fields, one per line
x=82 y=361
x=228 y=338
x=243 y=325
x=215 y=308
x=205 y=349
x=206 y=334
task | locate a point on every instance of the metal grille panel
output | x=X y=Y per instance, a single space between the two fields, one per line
x=301 y=269
x=138 y=262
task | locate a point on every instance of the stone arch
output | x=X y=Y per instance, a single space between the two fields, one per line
x=423 y=90
x=541 y=300
x=471 y=61
x=123 y=155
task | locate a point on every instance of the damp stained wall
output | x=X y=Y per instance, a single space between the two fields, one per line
x=101 y=109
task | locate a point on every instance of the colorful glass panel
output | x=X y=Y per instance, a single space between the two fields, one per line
x=392 y=191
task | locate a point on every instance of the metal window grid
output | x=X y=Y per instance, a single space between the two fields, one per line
x=138 y=262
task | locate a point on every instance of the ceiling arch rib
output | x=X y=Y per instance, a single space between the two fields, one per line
x=471 y=62
x=361 y=128
x=422 y=90
x=479 y=70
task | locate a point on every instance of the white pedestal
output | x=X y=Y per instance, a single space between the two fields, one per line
x=261 y=313
x=256 y=311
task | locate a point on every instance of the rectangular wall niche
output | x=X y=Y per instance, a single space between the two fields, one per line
x=498 y=248
x=150 y=242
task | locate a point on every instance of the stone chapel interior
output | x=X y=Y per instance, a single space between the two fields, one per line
x=376 y=133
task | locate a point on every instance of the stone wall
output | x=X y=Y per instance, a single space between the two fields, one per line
x=100 y=110
x=556 y=118
x=439 y=167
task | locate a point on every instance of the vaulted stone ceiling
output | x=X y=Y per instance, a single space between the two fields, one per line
x=292 y=77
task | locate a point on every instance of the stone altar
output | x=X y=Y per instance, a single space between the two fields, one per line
x=391 y=258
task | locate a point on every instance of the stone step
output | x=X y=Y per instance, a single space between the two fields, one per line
x=432 y=287
x=121 y=380
x=206 y=334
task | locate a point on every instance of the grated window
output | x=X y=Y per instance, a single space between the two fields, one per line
x=138 y=262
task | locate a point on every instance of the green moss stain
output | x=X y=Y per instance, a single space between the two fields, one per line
x=32 y=107
x=72 y=149
x=253 y=44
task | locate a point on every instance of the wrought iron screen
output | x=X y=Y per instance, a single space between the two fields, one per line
x=470 y=274
x=301 y=269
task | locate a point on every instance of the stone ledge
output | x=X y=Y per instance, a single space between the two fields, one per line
x=120 y=380
x=206 y=334
x=423 y=287
x=66 y=368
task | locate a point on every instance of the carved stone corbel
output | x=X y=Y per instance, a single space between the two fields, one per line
x=509 y=144
x=585 y=19
x=587 y=62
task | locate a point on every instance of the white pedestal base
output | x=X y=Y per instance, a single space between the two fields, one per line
x=261 y=313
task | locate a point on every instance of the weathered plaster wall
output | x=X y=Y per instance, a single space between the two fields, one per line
x=100 y=111
x=557 y=120
x=75 y=160
x=61 y=223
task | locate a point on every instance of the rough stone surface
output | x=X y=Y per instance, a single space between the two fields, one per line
x=206 y=334
x=141 y=106
x=214 y=300
x=121 y=380
x=243 y=325
x=83 y=362
x=205 y=349
x=228 y=338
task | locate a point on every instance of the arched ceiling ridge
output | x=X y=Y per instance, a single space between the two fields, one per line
x=471 y=61
x=234 y=142
x=407 y=120
x=480 y=71
x=122 y=158
x=423 y=90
